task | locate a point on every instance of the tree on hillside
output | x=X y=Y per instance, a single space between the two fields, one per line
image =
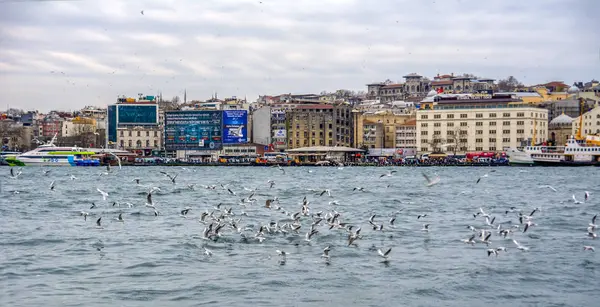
x=508 y=84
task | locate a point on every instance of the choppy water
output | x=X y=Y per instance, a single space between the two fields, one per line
x=50 y=256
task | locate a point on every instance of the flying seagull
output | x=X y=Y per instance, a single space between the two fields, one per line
x=385 y=255
x=172 y=178
x=104 y=194
x=431 y=182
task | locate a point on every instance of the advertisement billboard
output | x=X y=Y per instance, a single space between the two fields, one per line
x=193 y=130
x=140 y=114
x=235 y=126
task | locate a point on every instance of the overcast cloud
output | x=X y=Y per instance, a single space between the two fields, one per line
x=99 y=49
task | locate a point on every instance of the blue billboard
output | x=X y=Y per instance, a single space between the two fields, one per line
x=193 y=130
x=235 y=126
x=112 y=123
x=137 y=114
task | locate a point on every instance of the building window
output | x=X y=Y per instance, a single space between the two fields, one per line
x=450 y=116
x=478 y=140
x=479 y=124
x=463 y=124
x=479 y=148
x=492 y=114
x=122 y=143
x=492 y=123
x=520 y=131
x=463 y=141
x=520 y=114
x=437 y=132
x=450 y=132
x=506 y=140
x=423 y=124
x=479 y=115
x=155 y=143
x=437 y=124
x=437 y=116
x=139 y=133
x=130 y=143
x=148 y=141
x=147 y=133
x=424 y=141
x=155 y=133
x=520 y=123
x=506 y=123
x=463 y=132
x=492 y=140
x=450 y=124
x=121 y=133
x=129 y=132
x=492 y=131
x=424 y=149
x=463 y=116
x=479 y=132
x=506 y=131
x=423 y=116
x=505 y=114
x=492 y=148
x=138 y=143
x=423 y=132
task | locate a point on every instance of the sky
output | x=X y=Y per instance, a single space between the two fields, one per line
x=69 y=54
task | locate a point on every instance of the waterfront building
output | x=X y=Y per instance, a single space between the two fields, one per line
x=377 y=129
x=406 y=138
x=560 y=129
x=133 y=124
x=591 y=122
x=319 y=125
x=386 y=92
x=456 y=124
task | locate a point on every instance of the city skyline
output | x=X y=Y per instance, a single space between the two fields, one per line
x=68 y=54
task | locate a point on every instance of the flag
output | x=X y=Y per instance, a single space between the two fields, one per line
x=440 y=90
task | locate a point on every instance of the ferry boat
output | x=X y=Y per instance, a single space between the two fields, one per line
x=52 y=155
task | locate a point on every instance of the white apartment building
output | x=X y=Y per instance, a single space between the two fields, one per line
x=139 y=137
x=591 y=122
x=406 y=137
x=462 y=125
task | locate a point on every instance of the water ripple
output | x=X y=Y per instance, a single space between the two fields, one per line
x=52 y=256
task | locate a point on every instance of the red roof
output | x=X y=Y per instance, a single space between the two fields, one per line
x=449 y=82
x=555 y=84
x=410 y=122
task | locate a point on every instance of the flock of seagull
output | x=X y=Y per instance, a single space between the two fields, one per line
x=300 y=223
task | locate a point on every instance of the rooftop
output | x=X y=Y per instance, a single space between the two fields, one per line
x=394 y=85
x=412 y=75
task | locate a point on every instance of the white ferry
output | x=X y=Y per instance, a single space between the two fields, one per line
x=585 y=152
x=52 y=155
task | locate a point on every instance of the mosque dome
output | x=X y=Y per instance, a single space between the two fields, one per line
x=561 y=120
x=432 y=93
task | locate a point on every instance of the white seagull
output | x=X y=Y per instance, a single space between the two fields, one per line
x=431 y=182
x=519 y=246
x=589 y=248
x=548 y=187
x=587 y=196
x=385 y=255
x=575 y=201
x=104 y=194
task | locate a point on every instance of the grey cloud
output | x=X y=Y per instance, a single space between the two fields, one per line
x=245 y=48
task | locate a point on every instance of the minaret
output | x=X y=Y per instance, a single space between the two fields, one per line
x=184 y=96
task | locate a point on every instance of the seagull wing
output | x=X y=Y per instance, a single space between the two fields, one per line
x=594 y=219
x=426 y=177
x=388 y=252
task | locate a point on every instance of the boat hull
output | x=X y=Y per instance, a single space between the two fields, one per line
x=62 y=161
x=516 y=157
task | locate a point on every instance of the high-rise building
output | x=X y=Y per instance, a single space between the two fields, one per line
x=319 y=125
x=133 y=124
